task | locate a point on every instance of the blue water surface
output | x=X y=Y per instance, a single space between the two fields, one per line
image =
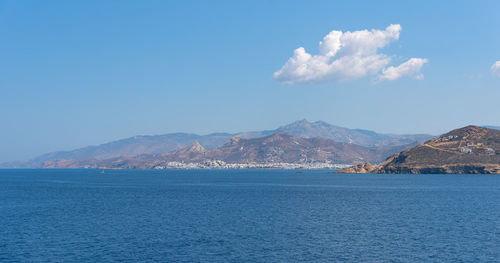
x=246 y=216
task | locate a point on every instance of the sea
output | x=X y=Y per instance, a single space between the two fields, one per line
x=246 y=216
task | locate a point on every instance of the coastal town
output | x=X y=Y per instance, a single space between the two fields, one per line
x=218 y=164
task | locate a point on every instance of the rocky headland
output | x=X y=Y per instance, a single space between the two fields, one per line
x=468 y=150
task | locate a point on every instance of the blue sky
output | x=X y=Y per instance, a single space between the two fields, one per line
x=75 y=73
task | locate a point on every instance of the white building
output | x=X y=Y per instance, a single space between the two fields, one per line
x=465 y=150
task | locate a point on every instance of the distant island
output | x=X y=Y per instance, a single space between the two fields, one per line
x=468 y=150
x=278 y=150
x=301 y=144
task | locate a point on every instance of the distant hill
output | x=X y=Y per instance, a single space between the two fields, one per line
x=492 y=127
x=279 y=147
x=361 y=137
x=156 y=144
x=468 y=150
x=132 y=146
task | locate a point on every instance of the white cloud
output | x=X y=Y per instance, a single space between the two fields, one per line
x=345 y=55
x=495 y=69
x=409 y=68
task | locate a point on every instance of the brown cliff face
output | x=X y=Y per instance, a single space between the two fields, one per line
x=468 y=150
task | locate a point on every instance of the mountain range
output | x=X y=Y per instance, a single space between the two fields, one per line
x=279 y=147
x=156 y=144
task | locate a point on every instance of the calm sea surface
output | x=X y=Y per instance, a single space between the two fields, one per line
x=247 y=216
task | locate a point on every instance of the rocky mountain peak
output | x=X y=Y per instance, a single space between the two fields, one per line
x=196 y=147
x=234 y=140
x=301 y=124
